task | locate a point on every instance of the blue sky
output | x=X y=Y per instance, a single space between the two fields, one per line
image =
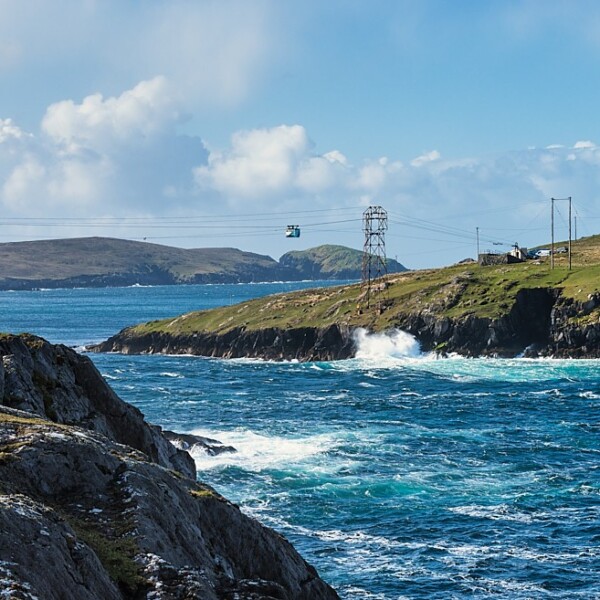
x=216 y=123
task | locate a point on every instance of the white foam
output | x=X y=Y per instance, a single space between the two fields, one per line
x=257 y=451
x=500 y=512
x=391 y=344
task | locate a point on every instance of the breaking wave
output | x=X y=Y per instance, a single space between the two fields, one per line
x=390 y=344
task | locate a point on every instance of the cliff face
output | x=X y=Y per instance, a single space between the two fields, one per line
x=95 y=503
x=574 y=330
x=526 y=325
x=304 y=343
x=539 y=323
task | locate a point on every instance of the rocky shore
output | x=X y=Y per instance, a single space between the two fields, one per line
x=305 y=344
x=539 y=323
x=97 y=503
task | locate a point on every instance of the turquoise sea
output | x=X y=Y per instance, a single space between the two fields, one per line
x=398 y=475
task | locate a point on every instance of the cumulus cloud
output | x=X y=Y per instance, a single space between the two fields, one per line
x=425 y=158
x=114 y=155
x=584 y=144
x=9 y=131
x=146 y=110
x=267 y=162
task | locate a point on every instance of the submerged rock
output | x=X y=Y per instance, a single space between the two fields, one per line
x=85 y=516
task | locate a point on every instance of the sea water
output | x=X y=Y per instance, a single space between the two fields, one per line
x=397 y=474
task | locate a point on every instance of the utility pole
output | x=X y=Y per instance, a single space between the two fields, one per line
x=552 y=235
x=477 y=231
x=570 y=200
x=570 y=232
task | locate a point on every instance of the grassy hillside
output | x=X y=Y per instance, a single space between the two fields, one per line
x=99 y=261
x=453 y=292
x=61 y=259
x=331 y=262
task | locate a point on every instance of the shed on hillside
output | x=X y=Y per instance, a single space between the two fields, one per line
x=490 y=258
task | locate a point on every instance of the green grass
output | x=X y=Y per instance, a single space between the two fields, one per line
x=115 y=554
x=203 y=493
x=449 y=292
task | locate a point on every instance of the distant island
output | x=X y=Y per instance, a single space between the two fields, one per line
x=111 y=262
x=498 y=310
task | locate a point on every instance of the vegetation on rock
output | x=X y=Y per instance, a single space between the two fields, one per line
x=478 y=299
x=330 y=262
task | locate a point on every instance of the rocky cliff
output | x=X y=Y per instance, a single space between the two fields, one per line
x=305 y=343
x=96 y=503
x=538 y=323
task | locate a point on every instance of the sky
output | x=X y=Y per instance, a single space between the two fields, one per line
x=219 y=122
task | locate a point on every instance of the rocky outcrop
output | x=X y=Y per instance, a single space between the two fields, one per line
x=84 y=514
x=574 y=330
x=304 y=343
x=55 y=382
x=190 y=442
x=525 y=325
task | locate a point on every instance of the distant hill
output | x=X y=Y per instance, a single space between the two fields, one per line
x=104 y=262
x=101 y=262
x=330 y=262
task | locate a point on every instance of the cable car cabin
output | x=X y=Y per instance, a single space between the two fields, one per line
x=292 y=231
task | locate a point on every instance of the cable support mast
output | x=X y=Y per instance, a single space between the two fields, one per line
x=374 y=262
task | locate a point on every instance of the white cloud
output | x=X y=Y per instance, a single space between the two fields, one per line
x=335 y=156
x=262 y=161
x=584 y=144
x=115 y=155
x=142 y=112
x=425 y=158
x=8 y=131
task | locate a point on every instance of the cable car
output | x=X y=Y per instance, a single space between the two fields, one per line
x=292 y=231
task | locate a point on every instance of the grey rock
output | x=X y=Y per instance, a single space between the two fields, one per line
x=97 y=503
x=95 y=506
x=303 y=343
x=56 y=382
x=189 y=442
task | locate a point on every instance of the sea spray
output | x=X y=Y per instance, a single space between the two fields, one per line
x=390 y=344
x=256 y=452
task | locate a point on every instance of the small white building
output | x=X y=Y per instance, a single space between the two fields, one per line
x=518 y=252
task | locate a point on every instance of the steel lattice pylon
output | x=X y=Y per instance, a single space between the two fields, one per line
x=374 y=263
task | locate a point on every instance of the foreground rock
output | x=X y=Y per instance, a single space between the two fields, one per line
x=85 y=516
x=55 y=382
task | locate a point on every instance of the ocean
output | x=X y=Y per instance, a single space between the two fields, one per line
x=396 y=474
